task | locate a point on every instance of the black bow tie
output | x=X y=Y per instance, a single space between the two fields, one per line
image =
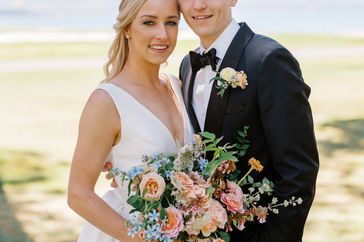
x=199 y=61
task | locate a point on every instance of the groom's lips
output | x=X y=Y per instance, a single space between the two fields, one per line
x=202 y=17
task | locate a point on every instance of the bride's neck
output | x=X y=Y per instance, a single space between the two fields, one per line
x=141 y=73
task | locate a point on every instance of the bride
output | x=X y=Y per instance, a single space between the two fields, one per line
x=135 y=111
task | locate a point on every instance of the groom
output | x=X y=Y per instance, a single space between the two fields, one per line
x=274 y=105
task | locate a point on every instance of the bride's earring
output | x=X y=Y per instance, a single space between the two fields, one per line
x=127 y=36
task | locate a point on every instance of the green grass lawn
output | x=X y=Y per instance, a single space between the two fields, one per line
x=40 y=108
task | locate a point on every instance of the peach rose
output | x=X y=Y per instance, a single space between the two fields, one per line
x=233 y=202
x=208 y=227
x=174 y=222
x=181 y=181
x=218 y=240
x=196 y=192
x=218 y=212
x=153 y=185
x=234 y=188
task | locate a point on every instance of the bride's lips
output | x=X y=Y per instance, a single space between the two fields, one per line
x=159 y=47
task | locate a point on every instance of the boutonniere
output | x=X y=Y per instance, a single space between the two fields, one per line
x=228 y=77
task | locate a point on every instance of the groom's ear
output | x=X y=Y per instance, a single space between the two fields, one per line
x=233 y=3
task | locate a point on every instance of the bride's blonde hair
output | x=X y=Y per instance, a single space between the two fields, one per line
x=119 y=50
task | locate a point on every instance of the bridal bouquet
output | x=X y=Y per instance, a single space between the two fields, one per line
x=187 y=197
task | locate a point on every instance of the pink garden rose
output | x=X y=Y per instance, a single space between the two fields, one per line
x=154 y=185
x=234 y=188
x=174 y=223
x=233 y=202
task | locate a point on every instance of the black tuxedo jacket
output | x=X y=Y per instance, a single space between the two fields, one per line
x=275 y=106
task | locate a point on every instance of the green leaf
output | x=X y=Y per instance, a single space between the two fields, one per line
x=218 y=140
x=208 y=135
x=225 y=236
x=228 y=156
x=250 y=179
x=154 y=205
x=210 y=168
x=258 y=184
x=266 y=181
x=163 y=213
x=209 y=147
x=241 y=134
x=209 y=191
x=242 y=153
x=135 y=201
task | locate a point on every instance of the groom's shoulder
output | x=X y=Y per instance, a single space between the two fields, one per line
x=263 y=45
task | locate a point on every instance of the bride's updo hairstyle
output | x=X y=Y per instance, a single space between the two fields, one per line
x=119 y=50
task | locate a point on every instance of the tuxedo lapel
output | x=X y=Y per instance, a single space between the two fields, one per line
x=188 y=78
x=217 y=104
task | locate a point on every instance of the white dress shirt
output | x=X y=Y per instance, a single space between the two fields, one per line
x=202 y=86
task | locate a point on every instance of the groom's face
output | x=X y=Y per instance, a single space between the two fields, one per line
x=207 y=18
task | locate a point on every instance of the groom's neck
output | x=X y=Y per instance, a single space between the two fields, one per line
x=208 y=39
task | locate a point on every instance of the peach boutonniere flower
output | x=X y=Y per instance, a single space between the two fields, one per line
x=228 y=77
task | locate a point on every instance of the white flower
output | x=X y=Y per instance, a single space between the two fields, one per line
x=227 y=74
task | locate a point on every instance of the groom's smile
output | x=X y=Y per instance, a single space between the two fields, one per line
x=202 y=17
x=207 y=18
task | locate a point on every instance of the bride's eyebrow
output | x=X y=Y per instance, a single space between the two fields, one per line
x=155 y=17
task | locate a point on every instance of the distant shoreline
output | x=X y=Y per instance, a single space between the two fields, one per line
x=46 y=36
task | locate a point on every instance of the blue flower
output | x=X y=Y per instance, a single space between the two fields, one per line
x=153 y=216
x=164 y=221
x=165 y=238
x=202 y=163
x=157 y=164
x=134 y=218
x=133 y=231
x=133 y=172
x=168 y=174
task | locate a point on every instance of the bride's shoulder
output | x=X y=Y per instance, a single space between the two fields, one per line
x=172 y=78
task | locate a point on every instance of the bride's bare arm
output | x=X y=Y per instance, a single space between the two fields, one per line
x=98 y=129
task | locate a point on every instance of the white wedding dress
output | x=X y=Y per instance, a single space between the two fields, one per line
x=142 y=134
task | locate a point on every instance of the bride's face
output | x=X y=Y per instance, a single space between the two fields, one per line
x=153 y=33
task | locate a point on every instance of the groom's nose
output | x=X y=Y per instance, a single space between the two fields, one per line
x=199 y=4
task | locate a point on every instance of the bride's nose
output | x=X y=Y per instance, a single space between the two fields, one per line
x=161 y=33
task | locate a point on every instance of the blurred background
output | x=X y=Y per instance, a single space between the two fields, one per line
x=51 y=58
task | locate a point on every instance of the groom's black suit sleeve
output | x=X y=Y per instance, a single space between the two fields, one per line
x=288 y=129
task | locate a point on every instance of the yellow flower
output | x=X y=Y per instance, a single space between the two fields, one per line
x=198 y=139
x=255 y=164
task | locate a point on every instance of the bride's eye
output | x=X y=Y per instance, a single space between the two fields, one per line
x=172 y=23
x=148 y=22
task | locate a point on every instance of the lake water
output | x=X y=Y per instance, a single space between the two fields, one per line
x=279 y=16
